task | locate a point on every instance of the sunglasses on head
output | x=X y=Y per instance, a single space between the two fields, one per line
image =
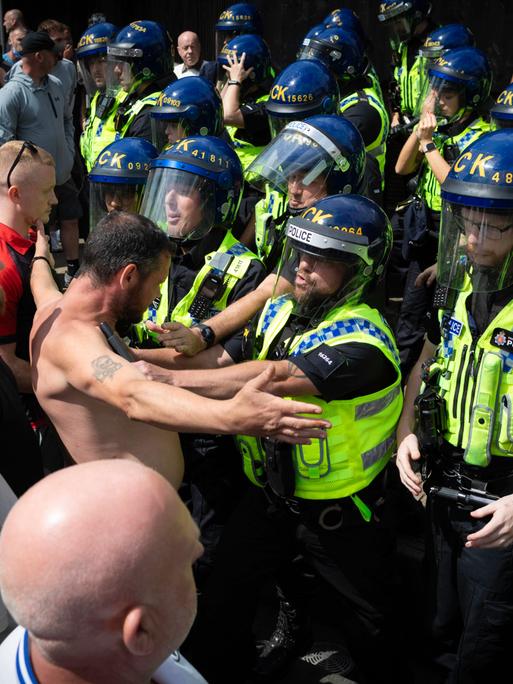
x=27 y=145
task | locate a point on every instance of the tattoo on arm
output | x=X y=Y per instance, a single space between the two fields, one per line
x=293 y=371
x=104 y=367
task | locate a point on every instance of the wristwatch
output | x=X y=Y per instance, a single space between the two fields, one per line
x=232 y=81
x=207 y=334
x=429 y=147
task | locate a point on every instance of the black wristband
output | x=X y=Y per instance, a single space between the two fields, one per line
x=42 y=258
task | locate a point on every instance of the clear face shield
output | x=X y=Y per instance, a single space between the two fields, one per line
x=93 y=73
x=165 y=132
x=297 y=163
x=399 y=30
x=443 y=97
x=223 y=37
x=323 y=273
x=475 y=247
x=107 y=197
x=497 y=123
x=180 y=203
x=122 y=70
x=278 y=123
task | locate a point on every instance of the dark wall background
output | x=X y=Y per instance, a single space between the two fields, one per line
x=286 y=22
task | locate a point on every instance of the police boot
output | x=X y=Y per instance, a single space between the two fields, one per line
x=285 y=643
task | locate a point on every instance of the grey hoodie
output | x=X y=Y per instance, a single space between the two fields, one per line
x=40 y=114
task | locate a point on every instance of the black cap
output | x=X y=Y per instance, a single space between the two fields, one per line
x=35 y=41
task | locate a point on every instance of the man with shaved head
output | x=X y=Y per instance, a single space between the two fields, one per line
x=189 y=49
x=96 y=568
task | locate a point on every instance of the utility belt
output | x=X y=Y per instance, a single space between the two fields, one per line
x=278 y=484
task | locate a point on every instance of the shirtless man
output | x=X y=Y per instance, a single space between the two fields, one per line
x=100 y=404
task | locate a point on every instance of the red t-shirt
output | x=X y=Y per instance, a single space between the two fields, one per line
x=16 y=253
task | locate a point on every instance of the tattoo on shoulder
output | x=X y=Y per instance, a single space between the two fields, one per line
x=294 y=371
x=104 y=367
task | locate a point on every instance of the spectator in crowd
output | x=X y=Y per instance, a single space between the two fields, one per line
x=189 y=49
x=112 y=591
x=13 y=54
x=33 y=106
x=13 y=19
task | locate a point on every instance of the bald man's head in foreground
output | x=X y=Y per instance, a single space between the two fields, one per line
x=96 y=563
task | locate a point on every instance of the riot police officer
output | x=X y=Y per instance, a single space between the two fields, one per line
x=246 y=62
x=140 y=65
x=502 y=111
x=463 y=417
x=189 y=106
x=236 y=20
x=407 y=23
x=193 y=193
x=453 y=101
x=91 y=64
x=437 y=42
x=361 y=102
x=323 y=342
x=118 y=177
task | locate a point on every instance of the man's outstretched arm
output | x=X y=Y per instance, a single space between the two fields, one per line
x=92 y=368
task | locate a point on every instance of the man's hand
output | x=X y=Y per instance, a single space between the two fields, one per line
x=408 y=452
x=427 y=277
x=236 y=71
x=254 y=412
x=185 y=340
x=42 y=243
x=498 y=532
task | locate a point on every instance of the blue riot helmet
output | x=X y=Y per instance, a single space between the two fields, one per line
x=258 y=56
x=92 y=56
x=188 y=106
x=236 y=20
x=325 y=152
x=339 y=50
x=118 y=177
x=439 y=41
x=462 y=73
x=314 y=32
x=502 y=111
x=348 y=230
x=194 y=185
x=304 y=88
x=142 y=52
x=401 y=17
x=476 y=231
x=347 y=20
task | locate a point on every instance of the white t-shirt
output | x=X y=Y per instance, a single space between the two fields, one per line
x=16 y=668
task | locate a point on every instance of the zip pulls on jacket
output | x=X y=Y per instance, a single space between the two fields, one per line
x=53 y=106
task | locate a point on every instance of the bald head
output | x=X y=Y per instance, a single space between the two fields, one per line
x=13 y=19
x=106 y=549
x=189 y=48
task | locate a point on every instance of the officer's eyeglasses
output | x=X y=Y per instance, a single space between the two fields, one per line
x=27 y=145
x=467 y=225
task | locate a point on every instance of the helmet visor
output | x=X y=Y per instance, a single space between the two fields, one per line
x=92 y=73
x=180 y=203
x=223 y=37
x=121 y=76
x=165 y=132
x=442 y=96
x=320 y=278
x=107 y=197
x=399 y=29
x=299 y=154
x=476 y=245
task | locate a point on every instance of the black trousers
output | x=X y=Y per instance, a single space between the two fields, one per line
x=259 y=542
x=472 y=599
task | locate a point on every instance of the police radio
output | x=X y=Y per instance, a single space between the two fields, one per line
x=210 y=290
